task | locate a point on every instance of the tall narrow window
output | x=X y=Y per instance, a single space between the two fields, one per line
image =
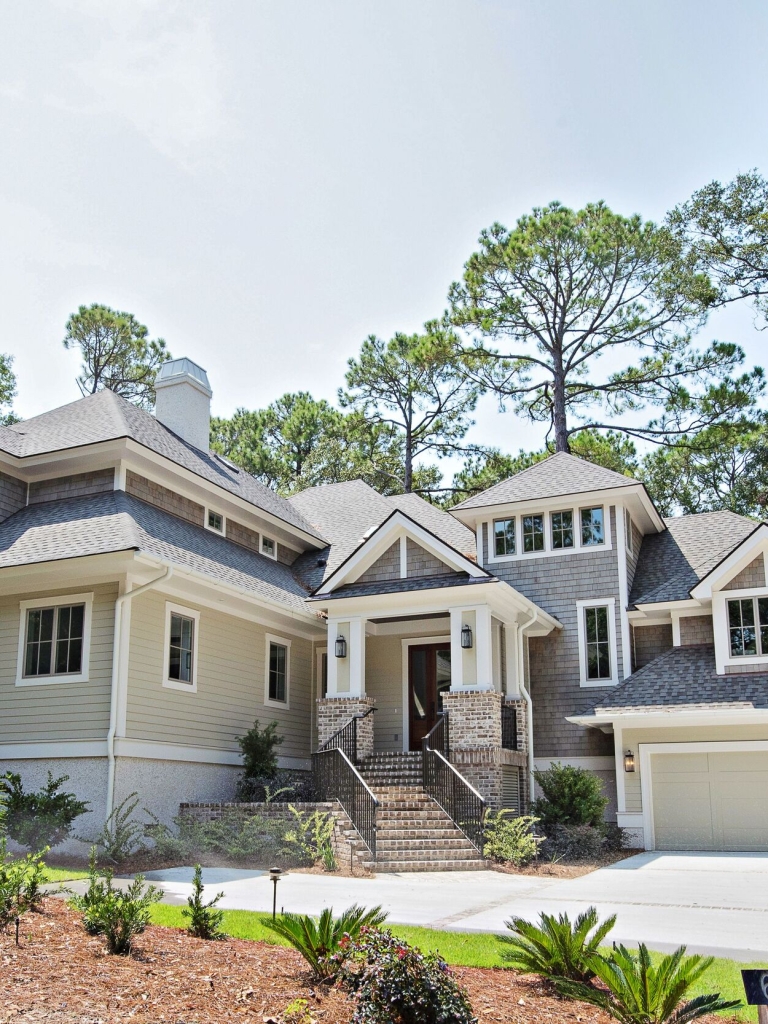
x=533 y=533
x=278 y=673
x=181 y=649
x=504 y=536
x=592 y=526
x=748 y=626
x=562 y=530
x=54 y=641
x=598 y=642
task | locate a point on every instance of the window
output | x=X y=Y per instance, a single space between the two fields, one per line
x=748 y=626
x=278 y=671
x=215 y=521
x=562 y=530
x=268 y=547
x=54 y=640
x=181 y=635
x=504 y=536
x=533 y=533
x=628 y=529
x=598 y=642
x=592 y=527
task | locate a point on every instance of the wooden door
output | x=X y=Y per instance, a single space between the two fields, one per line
x=429 y=675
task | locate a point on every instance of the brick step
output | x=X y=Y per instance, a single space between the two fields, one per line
x=454 y=844
x=377 y=781
x=425 y=856
x=417 y=831
x=398 y=814
x=401 y=866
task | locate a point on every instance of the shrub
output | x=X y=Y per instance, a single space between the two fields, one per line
x=310 y=834
x=93 y=895
x=641 y=993
x=572 y=796
x=259 y=749
x=509 y=839
x=574 y=842
x=118 y=915
x=204 y=919
x=396 y=983
x=319 y=941
x=614 y=837
x=121 y=834
x=328 y=857
x=41 y=819
x=556 y=948
x=20 y=884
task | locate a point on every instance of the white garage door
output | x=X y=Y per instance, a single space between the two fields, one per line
x=710 y=801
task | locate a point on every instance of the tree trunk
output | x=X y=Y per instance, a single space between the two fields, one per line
x=559 y=420
x=408 y=475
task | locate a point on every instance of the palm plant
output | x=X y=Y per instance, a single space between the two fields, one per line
x=641 y=993
x=319 y=939
x=556 y=948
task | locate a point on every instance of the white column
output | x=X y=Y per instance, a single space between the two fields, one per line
x=457 y=674
x=484 y=647
x=618 y=746
x=356 y=655
x=512 y=635
x=346 y=676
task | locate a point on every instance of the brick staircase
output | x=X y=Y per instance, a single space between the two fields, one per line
x=413 y=832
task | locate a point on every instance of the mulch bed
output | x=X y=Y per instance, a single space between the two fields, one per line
x=60 y=974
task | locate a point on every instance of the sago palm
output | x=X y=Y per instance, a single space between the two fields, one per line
x=318 y=939
x=640 y=992
x=556 y=947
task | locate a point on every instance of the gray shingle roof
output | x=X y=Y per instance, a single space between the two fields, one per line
x=672 y=562
x=558 y=474
x=345 y=513
x=115 y=521
x=682 y=679
x=454 y=579
x=106 y=417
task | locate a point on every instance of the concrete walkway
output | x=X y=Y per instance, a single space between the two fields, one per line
x=713 y=903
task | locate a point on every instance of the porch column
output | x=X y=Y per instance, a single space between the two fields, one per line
x=472 y=667
x=346 y=676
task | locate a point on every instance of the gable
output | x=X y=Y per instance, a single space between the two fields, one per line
x=386 y=567
x=752 y=575
x=420 y=562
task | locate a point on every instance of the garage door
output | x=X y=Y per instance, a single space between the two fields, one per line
x=710 y=801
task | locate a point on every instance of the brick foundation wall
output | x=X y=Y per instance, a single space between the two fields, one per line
x=474 y=718
x=77 y=486
x=162 y=497
x=333 y=713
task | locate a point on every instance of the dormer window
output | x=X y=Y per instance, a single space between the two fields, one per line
x=592 y=526
x=268 y=547
x=748 y=626
x=215 y=521
x=504 y=536
x=533 y=533
x=562 y=530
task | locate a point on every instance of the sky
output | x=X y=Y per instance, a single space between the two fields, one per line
x=264 y=183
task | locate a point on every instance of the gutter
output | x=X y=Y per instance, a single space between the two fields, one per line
x=527 y=698
x=114 y=699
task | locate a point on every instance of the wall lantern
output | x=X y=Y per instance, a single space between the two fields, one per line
x=629 y=761
x=341 y=646
x=466 y=637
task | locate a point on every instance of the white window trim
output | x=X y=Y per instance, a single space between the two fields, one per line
x=723 y=656
x=271 y=638
x=188 y=613
x=55 y=602
x=262 y=538
x=219 y=533
x=628 y=539
x=548 y=550
x=610 y=604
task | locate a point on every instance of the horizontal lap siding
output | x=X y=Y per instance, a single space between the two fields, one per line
x=57 y=711
x=384 y=682
x=230 y=683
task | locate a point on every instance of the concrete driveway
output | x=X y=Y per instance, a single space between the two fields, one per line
x=713 y=903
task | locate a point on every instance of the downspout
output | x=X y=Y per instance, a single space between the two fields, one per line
x=114 y=699
x=526 y=698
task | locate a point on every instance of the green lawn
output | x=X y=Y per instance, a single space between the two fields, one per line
x=63 y=874
x=469 y=950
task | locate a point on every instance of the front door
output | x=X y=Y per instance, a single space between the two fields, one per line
x=429 y=676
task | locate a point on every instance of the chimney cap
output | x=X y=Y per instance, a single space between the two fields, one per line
x=176 y=370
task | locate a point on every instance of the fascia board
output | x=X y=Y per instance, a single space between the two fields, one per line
x=673 y=719
x=652 y=607
x=95 y=568
x=423 y=602
x=732 y=563
x=372 y=547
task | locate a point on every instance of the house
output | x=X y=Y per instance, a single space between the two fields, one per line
x=155 y=600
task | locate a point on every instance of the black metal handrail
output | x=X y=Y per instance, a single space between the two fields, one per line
x=508 y=727
x=448 y=787
x=336 y=778
x=345 y=738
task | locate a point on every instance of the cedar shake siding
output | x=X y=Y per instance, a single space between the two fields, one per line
x=162 y=497
x=78 y=486
x=13 y=495
x=57 y=711
x=386 y=567
x=696 y=629
x=556 y=583
x=648 y=642
x=632 y=557
x=422 y=563
x=241 y=535
x=751 y=576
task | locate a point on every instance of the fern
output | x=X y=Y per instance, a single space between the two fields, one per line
x=556 y=948
x=319 y=939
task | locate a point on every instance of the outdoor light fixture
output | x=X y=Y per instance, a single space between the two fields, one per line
x=341 y=646
x=466 y=637
x=274 y=875
x=629 y=761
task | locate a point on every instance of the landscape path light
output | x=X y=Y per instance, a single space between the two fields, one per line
x=275 y=874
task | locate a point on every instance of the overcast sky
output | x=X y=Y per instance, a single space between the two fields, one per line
x=263 y=183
